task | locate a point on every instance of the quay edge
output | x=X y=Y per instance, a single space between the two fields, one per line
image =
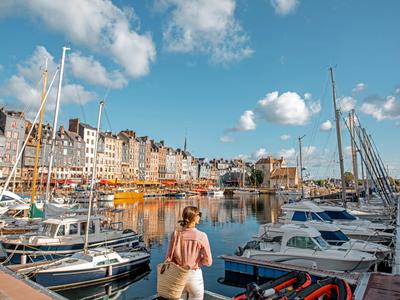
x=14 y=286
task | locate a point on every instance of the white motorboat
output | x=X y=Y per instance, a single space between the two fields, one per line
x=341 y=215
x=300 y=245
x=246 y=191
x=338 y=240
x=303 y=211
x=215 y=192
x=106 y=197
x=62 y=237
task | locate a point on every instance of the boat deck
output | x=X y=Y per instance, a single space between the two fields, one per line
x=13 y=287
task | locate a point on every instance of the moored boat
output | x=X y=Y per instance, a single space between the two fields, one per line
x=59 y=238
x=303 y=246
x=95 y=266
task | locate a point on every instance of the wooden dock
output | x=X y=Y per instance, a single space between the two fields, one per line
x=14 y=287
x=373 y=286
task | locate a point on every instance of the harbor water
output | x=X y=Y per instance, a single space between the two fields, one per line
x=228 y=222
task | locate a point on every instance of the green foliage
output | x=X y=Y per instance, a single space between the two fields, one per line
x=348 y=178
x=256 y=177
x=320 y=182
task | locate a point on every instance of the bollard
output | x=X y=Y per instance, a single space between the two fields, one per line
x=108 y=289
x=23 y=259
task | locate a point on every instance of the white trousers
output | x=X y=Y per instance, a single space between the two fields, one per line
x=194 y=288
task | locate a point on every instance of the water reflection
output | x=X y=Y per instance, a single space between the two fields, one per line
x=158 y=217
x=228 y=222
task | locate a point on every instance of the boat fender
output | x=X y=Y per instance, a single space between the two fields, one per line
x=109 y=271
x=23 y=259
x=269 y=292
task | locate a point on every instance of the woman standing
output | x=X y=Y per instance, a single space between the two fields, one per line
x=194 y=251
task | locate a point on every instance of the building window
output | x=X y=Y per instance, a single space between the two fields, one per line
x=8 y=134
x=8 y=145
x=15 y=146
x=15 y=135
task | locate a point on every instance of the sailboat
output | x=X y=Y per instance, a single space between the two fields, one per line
x=243 y=190
x=64 y=236
x=94 y=264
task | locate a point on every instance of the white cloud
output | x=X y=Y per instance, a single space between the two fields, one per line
x=99 y=25
x=326 y=126
x=259 y=153
x=285 y=137
x=226 y=139
x=246 y=122
x=288 y=108
x=288 y=154
x=243 y=156
x=345 y=104
x=360 y=87
x=307 y=96
x=309 y=150
x=284 y=7
x=205 y=26
x=382 y=108
x=347 y=151
x=25 y=86
x=93 y=72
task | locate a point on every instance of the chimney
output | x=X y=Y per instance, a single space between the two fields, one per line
x=162 y=142
x=62 y=131
x=74 y=125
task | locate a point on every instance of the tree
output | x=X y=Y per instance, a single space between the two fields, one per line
x=348 y=178
x=256 y=177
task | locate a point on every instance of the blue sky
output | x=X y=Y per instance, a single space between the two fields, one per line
x=241 y=77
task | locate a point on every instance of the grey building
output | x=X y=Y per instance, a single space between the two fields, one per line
x=143 y=141
x=12 y=125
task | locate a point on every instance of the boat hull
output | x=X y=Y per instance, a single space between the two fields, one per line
x=59 y=280
x=313 y=262
x=36 y=253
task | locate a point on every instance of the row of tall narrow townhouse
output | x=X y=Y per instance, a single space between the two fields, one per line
x=120 y=156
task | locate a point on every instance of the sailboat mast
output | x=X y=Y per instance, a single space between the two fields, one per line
x=96 y=142
x=39 y=137
x=353 y=152
x=301 y=167
x=53 y=138
x=339 y=138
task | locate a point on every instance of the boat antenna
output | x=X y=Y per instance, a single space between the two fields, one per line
x=92 y=183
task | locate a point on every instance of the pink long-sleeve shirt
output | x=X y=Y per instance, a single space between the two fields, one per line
x=196 y=249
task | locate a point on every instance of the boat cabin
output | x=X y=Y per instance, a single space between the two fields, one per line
x=69 y=226
x=338 y=213
x=297 y=236
x=305 y=211
x=99 y=257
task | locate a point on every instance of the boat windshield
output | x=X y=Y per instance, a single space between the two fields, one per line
x=321 y=243
x=49 y=229
x=334 y=237
x=340 y=215
x=321 y=216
